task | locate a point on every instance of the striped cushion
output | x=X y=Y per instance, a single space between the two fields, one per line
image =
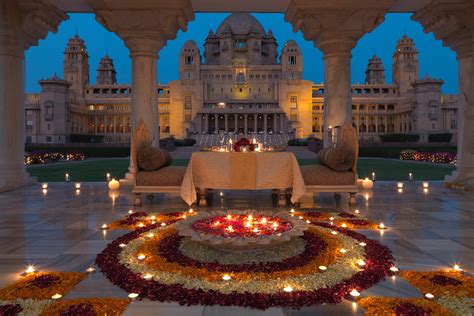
x=150 y=158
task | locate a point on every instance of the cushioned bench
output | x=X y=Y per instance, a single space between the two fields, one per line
x=342 y=177
x=154 y=174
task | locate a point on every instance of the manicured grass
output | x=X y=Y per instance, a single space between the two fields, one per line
x=95 y=170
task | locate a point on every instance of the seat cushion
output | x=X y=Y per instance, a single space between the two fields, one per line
x=338 y=159
x=150 y=158
x=322 y=175
x=166 y=176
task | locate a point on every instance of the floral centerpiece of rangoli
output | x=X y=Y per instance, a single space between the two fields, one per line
x=238 y=230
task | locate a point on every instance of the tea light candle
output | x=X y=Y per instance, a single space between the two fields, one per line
x=410 y=176
x=363 y=244
x=426 y=184
x=44 y=185
x=334 y=232
x=367 y=184
x=344 y=225
x=141 y=257
x=394 y=269
x=373 y=176
x=30 y=269
x=56 y=296
x=342 y=250
x=147 y=276
x=357 y=211
x=288 y=289
x=90 y=270
x=226 y=277
x=361 y=263
x=104 y=226
x=67 y=178
x=133 y=295
x=322 y=268
x=400 y=185
x=122 y=245
x=77 y=185
x=163 y=224
x=429 y=296
x=354 y=293
x=114 y=184
x=108 y=177
x=382 y=226
x=457 y=267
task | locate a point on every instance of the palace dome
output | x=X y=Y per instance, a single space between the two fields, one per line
x=241 y=24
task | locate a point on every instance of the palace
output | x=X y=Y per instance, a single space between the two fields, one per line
x=241 y=83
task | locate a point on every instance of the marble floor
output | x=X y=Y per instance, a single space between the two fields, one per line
x=58 y=231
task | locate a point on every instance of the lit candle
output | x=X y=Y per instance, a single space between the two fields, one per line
x=394 y=269
x=122 y=245
x=90 y=270
x=367 y=184
x=400 y=185
x=354 y=293
x=331 y=218
x=264 y=220
x=77 y=185
x=373 y=176
x=363 y=244
x=288 y=289
x=30 y=269
x=191 y=211
x=184 y=216
x=44 y=185
x=322 y=268
x=56 y=296
x=133 y=295
x=382 y=226
x=141 y=257
x=130 y=211
x=292 y=210
x=429 y=296
x=457 y=267
x=150 y=235
x=410 y=176
x=255 y=230
x=230 y=229
x=141 y=225
x=67 y=178
x=163 y=224
x=107 y=177
x=426 y=184
x=229 y=217
x=226 y=277
x=344 y=225
x=114 y=184
x=342 y=250
x=221 y=193
x=104 y=226
x=147 y=276
x=45 y=191
x=334 y=232
x=357 y=211
x=361 y=263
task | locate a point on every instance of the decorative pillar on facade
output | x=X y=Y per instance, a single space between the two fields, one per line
x=216 y=122
x=236 y=122
x=282 y=123
x=274 y=123
x=206 y=123
x=226 y=119
x=452 y=23
x=245 y=123
x=144 y=32
x=23 y=23
x=335 y=27
x=255 y=118
x=265 y=117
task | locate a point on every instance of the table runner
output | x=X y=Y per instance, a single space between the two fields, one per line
x=244 y=171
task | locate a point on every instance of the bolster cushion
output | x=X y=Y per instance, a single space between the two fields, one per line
x=319 y=175
x=149 y=158
x=169 y=176
x=337 y=159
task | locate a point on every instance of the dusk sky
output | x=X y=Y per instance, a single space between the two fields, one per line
x=46 y=59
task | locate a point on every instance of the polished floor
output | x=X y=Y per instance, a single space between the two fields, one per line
x=58 y=231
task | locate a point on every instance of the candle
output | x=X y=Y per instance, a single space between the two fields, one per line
x=322 y=268
x=147 y=276
x=363 y=244
x=114 y=184
x=342 y=250
x=56 y=296
x=357 y=211
x=394 y=269
x=457 y=267
x=373 y=176
x=410 y=176
x=367 y=184
x=354 y=293
x=141 y=257
x=77 y=185
x=288 y=289
x=67 y=178
x=429 y=296
x=30 y=269
x=334 y=232
x=400 y=185
x=104 y=226
x=133 y=295
x=122 y=245
x=108 y=177
x=344 y=225
x=90 y=270
x=163 y=224
x=382 y=226
x=44 y=185
x=426 y=184
x=226 y=277
x=361 y=263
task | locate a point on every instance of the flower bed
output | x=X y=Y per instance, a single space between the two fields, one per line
x=436 y=157
x=171 y=270
x=42 y=157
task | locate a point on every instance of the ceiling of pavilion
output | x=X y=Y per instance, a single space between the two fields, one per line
x=234 y=5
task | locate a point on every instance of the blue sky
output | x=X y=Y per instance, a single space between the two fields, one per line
x=44 y=60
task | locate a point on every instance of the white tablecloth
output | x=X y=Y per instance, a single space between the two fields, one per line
x=242 y=171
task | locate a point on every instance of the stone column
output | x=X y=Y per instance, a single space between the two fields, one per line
x=335 y=27
x=282 y=123
x=216 y=122
x=144 y=32
x=255 y=117
x=226 y=118
x=199 y=127
x=265 y=117
x=453 y=24
x=236 y=123
x=274 y=123
x=207 y=123
x=23 y=23
x=245 y=124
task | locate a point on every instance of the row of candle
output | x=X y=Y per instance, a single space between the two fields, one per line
x=410 y=176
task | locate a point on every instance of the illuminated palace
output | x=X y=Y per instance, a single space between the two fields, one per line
x=242 y=83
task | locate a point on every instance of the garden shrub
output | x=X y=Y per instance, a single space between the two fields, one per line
x=440 y=138
x=399 y=138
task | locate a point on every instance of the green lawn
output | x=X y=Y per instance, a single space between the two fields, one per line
x=95 y=170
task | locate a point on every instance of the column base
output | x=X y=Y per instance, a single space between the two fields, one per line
x=11 y=180
x=460 y=179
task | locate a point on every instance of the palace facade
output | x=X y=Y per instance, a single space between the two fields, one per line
x=241 y=83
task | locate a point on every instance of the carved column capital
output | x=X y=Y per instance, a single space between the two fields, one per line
x=335 y=27
x=450 y=21
x=144 y=30
x=25 y=22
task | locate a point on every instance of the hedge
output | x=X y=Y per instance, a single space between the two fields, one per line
x=85 y=138
x=394 y=152
x=440 y=138
x=298 y=142
x=399 y=138
x=90 y=152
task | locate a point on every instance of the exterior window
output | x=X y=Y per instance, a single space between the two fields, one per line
x=240 y=44
x=188 y=102
x=240 y=77
x=453 y=124
x=48 y=139
x=189 y=60
x=292 y=60
x=48 y=127
x=293 y=102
